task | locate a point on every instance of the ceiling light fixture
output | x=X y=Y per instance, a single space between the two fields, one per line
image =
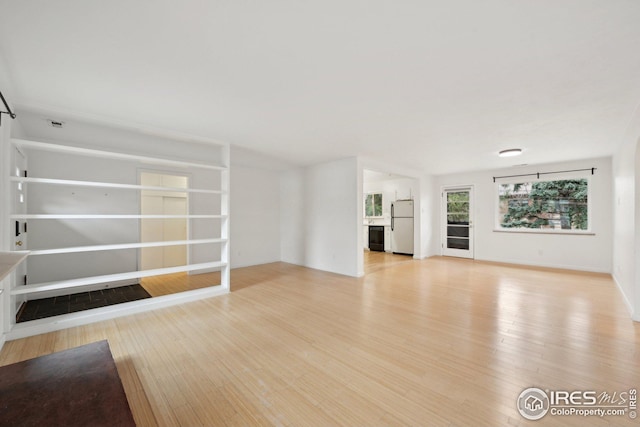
x=510 y=152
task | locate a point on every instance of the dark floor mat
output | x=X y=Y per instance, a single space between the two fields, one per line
x=54 y=306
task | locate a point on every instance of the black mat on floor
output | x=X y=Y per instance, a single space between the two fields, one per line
x=47 y=307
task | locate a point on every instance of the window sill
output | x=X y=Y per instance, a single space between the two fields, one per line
x=558 y=233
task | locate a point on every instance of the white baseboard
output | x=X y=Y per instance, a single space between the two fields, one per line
x=41 y=326
x=3 y=339
x=546 y=265
x=627 y=303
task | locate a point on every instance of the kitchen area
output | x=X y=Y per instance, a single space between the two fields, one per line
x=388 y=217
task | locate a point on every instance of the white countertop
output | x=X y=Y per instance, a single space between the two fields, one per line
x=10 y=260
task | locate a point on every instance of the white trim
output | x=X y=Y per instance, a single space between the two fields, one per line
x=124 y=246
x=109 y=185
x=627 y=303
x=110 y=154
x=545 y=231
x=470 y=253
x=56 y=323
x=72 y=283
x=84 y=216
x=569 y=267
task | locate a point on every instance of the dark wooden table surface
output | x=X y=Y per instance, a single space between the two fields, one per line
x=75 y=387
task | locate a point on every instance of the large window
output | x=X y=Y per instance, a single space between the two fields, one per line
x=561 y=205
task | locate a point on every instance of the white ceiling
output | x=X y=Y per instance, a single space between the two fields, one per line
x=439 y=86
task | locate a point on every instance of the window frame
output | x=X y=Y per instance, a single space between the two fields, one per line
x=497 y=216
x=364 y=205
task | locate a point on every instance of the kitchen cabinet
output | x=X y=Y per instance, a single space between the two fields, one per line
x=387 y=239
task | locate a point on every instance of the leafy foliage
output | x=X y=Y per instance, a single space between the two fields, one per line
x=458 y=208
x=545 y=204
x=373 y=205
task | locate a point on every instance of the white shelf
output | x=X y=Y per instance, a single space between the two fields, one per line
x=95 y=248
x=10 y=260
x=85 y=216
x=111 y=155
x=109 y=185
x=206 y=169
x=72 y=283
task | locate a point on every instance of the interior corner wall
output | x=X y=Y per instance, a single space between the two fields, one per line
x=568 y=251
x=626 y=216
x=292 y=217
x=429 y=209
x=254 y=216
x=320 y=217
x=624 y=228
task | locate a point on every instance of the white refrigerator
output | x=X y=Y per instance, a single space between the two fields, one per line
x=402 y=227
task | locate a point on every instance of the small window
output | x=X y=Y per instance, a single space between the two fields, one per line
x=373 y=205
x=561 y=205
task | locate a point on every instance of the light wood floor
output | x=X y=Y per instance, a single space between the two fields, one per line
x=178 y=282
x=441 y=341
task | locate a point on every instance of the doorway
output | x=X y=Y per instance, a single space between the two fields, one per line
x=457 y=220
x=164 y=229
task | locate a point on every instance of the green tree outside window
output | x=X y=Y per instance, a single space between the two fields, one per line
x=373 y=205
x=561 y=204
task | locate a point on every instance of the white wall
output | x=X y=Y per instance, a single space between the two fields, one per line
x=429 y=217
x=293 y=220
x=624 y=206
x=626 y=220
x=320 y=219
x=255 y=207
x=579 y=252
x=255 y=216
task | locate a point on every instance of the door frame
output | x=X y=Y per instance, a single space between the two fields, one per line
x=140 y=171
x=460 y=253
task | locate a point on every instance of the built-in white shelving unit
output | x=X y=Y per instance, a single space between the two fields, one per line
x=71 y=149
x=68 y=191
x=74 y=283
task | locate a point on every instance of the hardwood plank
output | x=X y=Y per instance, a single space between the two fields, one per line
x=441 y=341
